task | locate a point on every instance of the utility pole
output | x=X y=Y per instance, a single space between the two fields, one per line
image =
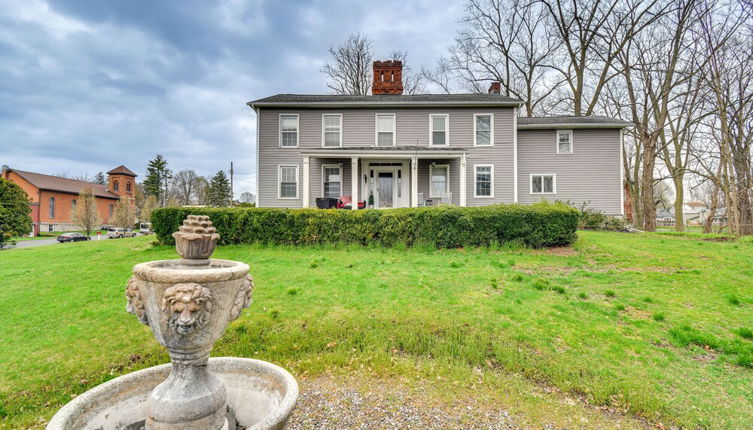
x=232 y=196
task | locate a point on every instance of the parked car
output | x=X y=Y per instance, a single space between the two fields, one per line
x=145 y=228
x=72 y=237
x=114 y=233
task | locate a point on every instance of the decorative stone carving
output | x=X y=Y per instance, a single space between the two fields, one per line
x=196 y=238
x=187 y=307
x=135 y=305
x=242 y=298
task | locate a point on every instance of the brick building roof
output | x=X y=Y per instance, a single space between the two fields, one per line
x=65 y=185
x=121 y=170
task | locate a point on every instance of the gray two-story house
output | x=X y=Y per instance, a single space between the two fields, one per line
x=389 y=150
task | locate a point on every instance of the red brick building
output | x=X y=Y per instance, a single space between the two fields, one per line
x=53 y=199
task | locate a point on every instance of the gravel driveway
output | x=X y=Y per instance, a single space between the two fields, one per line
x=327 y=405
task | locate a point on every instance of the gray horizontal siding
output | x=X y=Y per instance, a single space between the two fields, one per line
x=591 y=175
x=412 y=127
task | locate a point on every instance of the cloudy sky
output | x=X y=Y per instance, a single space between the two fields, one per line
x=88 y=85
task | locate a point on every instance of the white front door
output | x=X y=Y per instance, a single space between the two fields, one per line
x=386 y=189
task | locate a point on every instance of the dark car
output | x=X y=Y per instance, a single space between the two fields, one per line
x=72 y=237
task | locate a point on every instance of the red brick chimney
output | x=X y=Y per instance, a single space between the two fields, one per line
x=388 y=77
x=495 y=88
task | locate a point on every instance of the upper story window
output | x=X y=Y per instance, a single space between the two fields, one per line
x=440 y=180
x=483 y=129
x=116 y=185
x=483 y=181
x=288 y=182
x=439 y=130
x=52 y=207
x=564 y=141
x=288 y=130
x=543 y=184
x=128 y=186
x=385 y=129
x=332 y=182
x=332 y=130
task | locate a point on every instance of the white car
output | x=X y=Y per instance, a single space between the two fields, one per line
x=114 y=233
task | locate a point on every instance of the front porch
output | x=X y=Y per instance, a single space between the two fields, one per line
x=385 y=178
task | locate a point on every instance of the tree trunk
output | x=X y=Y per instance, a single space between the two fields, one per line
x=648 y=205
x=679 y=199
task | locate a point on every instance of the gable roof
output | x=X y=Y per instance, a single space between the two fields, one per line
x=121 y=170
x=569 y=121
x=383 y=100
x=64 y=185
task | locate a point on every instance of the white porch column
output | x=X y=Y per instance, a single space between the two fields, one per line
x=306 y=181
x=355 y=179
x=463 y=178
x=414 y=182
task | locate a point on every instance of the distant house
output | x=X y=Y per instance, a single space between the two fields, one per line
x=390 y=150
x=54 y=199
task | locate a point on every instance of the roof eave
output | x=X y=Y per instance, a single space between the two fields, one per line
x=369 y=104
x=552 y=126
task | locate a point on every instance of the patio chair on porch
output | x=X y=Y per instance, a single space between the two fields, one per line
x=346 y=202
x=420 y=199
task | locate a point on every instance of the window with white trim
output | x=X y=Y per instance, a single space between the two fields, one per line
x=564 y=141
x=288 y=182
x=439 y=129
x=332 y=130
x=543 y=184
x=331 y=181
x=385 y=129
x=288 y=130
x=439 y=175
x=483 y=185
x=483 y=125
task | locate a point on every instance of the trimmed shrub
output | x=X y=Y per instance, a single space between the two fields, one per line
x=538 y=225
x=594 y=220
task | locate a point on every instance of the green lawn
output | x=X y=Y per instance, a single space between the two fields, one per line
x=656 y=325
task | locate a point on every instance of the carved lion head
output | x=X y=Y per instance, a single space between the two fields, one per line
x=187 y=307
x=135 y=305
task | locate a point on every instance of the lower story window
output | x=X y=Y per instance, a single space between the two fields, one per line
x=484 y=181
x=288 y=182
x=332 y=181
x=543 y=184
x=440 y=185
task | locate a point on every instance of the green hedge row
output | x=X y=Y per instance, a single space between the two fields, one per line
x=541 y=224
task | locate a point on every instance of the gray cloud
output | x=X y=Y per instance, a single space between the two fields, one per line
x=86 y=86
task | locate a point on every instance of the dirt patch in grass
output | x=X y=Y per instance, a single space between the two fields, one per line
x=562 y=251
x=637 y=313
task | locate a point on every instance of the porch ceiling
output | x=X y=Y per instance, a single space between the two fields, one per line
x=388 y=152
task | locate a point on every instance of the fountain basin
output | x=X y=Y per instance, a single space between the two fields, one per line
x=260 y=396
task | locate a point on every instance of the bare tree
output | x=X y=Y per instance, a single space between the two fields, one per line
x=124 y=215
x=350 y=70
x=593 y=34
x=150 y=204
x=247 y=197
x=504 y=41
x=86 y=215
x=729 y=76
x=184 y=187
x=412 y=83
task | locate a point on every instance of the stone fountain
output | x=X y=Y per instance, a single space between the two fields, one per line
x=188 y=303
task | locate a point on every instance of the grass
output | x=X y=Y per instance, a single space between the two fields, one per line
x=638 y=322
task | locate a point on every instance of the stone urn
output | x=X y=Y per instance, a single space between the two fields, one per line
x=188 y=304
